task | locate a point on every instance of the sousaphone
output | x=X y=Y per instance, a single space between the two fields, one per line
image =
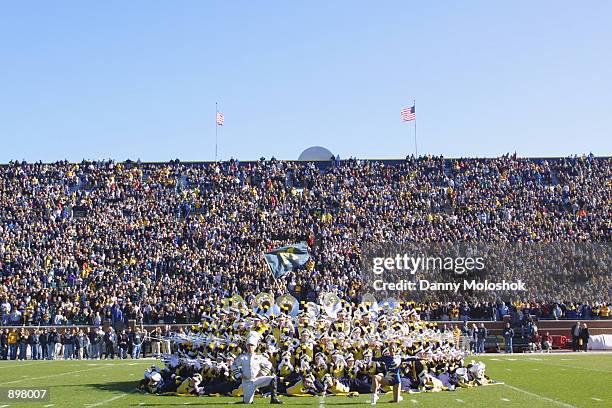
x=389 y=305
x=288 y=305
x=369 y=304
x=331 y=304
x=262 y=304
x=235 y=302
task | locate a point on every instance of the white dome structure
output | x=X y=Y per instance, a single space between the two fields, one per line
x=316 y=153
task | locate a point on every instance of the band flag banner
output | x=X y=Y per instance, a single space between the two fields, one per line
x=285 y=259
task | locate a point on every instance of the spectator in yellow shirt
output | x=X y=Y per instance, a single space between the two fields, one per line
x=13 y=338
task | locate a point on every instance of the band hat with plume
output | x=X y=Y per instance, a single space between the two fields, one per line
x=253 y=338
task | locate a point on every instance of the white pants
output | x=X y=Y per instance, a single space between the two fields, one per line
x=155 y=348
x=249 y=387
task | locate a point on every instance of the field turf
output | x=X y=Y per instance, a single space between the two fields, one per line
x=534 y=380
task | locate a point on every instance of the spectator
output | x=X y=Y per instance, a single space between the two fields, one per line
x=584 y=337
x=535 y=342
x=52 y=340
x=474 y=339
x=68 y=342
x=557 y=313
x=4 y=351
x=4 y=344
x=575 y=332
x=109 y=340
x=165 y=343
x=481 y=338
x=92 y=335
x=137 y=340
x=547 y=344
x=130 y=334
x=43 y=340
x=13 y=339
x=508 y=335
x=122 y=340
x=81 y=343
x=34 y=343
x=23 y=340
x=155 y=342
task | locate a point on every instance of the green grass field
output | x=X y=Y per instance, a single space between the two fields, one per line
x=535 y=380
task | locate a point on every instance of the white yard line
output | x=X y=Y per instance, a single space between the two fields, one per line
x=560 y=403
x=51 y=376
x=505 y=399
x=599 y=370
x=15 y=365
x=546 y=362
x=596 y=399
x=459 y=401
x=116 y=397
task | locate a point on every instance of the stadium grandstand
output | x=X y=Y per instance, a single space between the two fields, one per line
x=161 y=242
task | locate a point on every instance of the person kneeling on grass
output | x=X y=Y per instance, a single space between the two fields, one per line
x=254 y=370
x=391 y=362
x=191 y=386
x=547 y=344
x=535 y=343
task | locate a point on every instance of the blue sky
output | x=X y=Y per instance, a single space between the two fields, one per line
x=140 y=79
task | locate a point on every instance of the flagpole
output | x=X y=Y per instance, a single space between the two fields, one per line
x=216 y=129
x=416 y=150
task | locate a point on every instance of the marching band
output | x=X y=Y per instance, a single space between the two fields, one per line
x=282 y=347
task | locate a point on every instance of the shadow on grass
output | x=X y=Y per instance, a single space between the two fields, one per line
x=211 y=401
x=150 y=400
x=123 y=386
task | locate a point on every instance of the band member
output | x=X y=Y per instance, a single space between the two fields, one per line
x=391 y=373
x=254 y=370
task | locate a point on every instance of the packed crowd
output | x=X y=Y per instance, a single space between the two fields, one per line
x=94 y=241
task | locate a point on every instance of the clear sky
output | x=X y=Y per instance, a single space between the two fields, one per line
x=139 y=79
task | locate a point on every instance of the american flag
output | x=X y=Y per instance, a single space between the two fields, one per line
x=220 y=119
x=408 y=114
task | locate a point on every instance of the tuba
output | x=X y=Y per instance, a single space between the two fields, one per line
x=262 y=304
x=389 y=305
x=288 y=305
x=312 y=310
x=369 y=304
x=331 y=304
x=235 y=302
